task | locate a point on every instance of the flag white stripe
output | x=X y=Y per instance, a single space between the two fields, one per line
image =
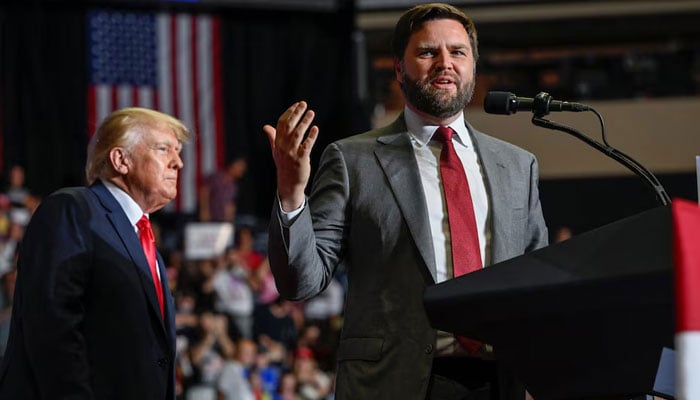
x=165 y=96
x=124 y=96
x=207 y=133
x=185 y=110
x=146 y=97
x=103 y=98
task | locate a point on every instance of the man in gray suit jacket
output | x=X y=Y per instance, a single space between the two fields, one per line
x=377 y=207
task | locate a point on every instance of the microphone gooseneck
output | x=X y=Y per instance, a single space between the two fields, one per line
x=505 y=103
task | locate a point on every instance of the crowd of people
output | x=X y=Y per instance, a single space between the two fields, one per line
x=236 y=338
x=17 y=203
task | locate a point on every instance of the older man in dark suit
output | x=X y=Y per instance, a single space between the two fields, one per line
x=93 y=317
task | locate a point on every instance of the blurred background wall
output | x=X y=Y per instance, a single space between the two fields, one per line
x=637 y=62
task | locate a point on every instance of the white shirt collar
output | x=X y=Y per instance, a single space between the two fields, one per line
x=131 y=208
x=422 y=131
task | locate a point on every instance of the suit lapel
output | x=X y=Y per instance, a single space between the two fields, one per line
x=130 y=242
x=399 y=164
x=496 y=173
x=168 y=302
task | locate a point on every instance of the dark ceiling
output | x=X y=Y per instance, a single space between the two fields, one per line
x=528 y=25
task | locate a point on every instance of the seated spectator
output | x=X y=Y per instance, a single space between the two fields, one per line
x=7 y=291
x=262 y=283
x=218 y=194
x=328 y=304
x=268 y=372
x=233 y=382
x=314 y=384
x=287 y=388
x=8 y=248
x=234 y=297
x=16 y=190
x=275 y=322
x=213 y=347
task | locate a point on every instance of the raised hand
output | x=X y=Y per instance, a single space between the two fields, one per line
x=291 y=150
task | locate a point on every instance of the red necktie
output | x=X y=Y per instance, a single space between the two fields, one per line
x=149 y=248
x=466 y=252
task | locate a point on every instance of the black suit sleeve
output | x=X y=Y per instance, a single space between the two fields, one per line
x=53 y=276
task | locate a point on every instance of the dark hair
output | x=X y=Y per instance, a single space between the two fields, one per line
x=413 y=19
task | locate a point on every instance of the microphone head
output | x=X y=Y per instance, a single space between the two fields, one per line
x=503 y=103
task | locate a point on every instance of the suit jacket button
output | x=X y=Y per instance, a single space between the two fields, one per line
x=162 y=362
x=428 y=348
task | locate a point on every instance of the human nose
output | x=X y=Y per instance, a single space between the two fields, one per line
x=177 y=161
x=444 y=59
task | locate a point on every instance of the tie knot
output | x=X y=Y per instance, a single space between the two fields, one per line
x=144 y=224
x=444 y=134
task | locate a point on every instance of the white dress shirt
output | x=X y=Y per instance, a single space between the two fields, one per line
x=427 y=152
x=131 y=208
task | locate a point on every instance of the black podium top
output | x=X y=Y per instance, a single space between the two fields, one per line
x=585 y=318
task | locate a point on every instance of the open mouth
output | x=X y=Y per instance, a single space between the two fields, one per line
x=443 y=82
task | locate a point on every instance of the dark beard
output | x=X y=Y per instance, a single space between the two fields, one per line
x=433 y=101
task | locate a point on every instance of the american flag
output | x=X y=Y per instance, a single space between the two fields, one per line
x=167 y=62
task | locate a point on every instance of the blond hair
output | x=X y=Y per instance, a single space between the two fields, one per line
x=123 y=128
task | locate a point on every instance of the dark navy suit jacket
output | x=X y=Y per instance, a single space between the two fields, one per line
x=85 y=321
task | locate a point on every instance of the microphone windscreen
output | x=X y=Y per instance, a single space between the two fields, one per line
x=499 y=103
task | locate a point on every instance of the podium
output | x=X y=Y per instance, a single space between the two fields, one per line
x=581 y=319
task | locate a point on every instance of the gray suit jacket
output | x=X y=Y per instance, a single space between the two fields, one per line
x=367 y=210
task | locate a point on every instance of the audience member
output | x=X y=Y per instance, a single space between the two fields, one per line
x=275 y=322
x=212 y=349
x=234 y=296
x=268 y=372
x=287 y=388
x=7 y=292
x=233 y=382
x=16 y=189
x=313 y=383
x=218 y=194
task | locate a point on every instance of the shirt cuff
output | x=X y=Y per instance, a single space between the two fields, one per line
x=288 y=217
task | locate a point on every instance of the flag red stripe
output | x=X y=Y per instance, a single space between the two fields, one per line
x=114 y=92
x=156 y=100
x=92 y=111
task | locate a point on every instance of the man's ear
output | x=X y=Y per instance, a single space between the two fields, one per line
x=398 y=70
x=120 y=160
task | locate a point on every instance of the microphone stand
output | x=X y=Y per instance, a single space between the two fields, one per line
x=541 y=108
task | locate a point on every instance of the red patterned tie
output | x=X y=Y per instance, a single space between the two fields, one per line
x=466 y=252
x=149 y=247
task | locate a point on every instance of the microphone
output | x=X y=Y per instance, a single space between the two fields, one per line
x=506 y=103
